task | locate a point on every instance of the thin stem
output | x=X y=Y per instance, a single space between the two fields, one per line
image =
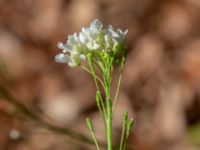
x=104 y=109
x=98 y=78
x=122 y=139
x=102 y=116
x=91 y=130
x=128 y=131
x=109 y=123
x=117 y=91
x=102 y=106
x=97 y=86
x=124 y=128
x=119 y=82
x=108 y=79
x=95 y=140
x=7 y=96
x=98 y=66
x=99 y=104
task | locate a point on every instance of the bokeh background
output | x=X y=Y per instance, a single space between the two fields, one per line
x=41 y=100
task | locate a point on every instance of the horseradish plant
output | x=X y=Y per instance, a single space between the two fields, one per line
x=101 y=48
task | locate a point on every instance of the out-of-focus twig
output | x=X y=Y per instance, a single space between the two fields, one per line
x=6 y=95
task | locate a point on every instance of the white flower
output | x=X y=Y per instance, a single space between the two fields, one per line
x=65 y=47
x=83 y=38
x=96 y=26
x=118 y=35
x=62 y=58
x=72 y=40
x=91 y=39
x=108 y=41
x=122 y=35
x=72 y=60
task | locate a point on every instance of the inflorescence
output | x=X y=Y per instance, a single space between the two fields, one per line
x=93 y=39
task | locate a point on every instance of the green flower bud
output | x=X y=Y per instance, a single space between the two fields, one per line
x=89 y=124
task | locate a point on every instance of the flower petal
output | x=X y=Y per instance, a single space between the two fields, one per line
x=62 y=58
x=65 y=47
x=72 y=39
x=96 y=25
x=83 y=38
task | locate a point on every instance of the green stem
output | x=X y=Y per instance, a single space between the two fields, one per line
x=91 y=130
x=95 y=140
x=108 y=79
x=123 y=136
x=109 y=123
x=128 y=131
x=122 y=139
x=97 y=86
x=98 y=78
x=117 y=91
x=102 y=114
x=119 y=82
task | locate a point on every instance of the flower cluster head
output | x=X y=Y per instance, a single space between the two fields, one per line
x=93 y=40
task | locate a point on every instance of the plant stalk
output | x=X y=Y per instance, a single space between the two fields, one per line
x=109 y=124
x=109 y=118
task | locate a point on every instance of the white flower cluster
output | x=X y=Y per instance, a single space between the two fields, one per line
x=90 y=39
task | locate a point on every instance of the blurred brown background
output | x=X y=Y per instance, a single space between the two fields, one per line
x=160 y=87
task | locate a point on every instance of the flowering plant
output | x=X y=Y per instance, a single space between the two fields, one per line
x=102 y=48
